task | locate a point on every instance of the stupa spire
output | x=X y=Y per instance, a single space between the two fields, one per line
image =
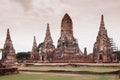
x=34 y=42
x=85 y=51
x=47 y=49
x=102 y=21
x=102 y=47
x=8 y=35
x=48 y=38
x=8 y=53
x=34 y=52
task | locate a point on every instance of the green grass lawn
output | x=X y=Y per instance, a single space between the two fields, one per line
x=95 y=69
x=53 y=76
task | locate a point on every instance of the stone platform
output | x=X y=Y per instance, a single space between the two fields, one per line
x=113 y=65
x=9 y=70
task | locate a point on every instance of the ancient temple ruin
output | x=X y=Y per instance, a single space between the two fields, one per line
x=34 y=53
x=67 y=50
x=67 y=46
x=47 y=50
x=8 y=52
x=102 y=50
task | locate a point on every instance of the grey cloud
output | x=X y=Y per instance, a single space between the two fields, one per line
x=26 y=4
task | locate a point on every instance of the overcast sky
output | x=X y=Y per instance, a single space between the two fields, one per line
x=27 y=18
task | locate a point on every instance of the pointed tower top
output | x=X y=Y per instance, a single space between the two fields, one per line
x=34 y=43
x=48 y=35
x=66 y=18
x=102 y=29
x=34 y=39
x=66 y=14
x=48 y=28
x=102 y=21
x=85 y=51
x=8 y=30
x=66 y=25
x=8 y=35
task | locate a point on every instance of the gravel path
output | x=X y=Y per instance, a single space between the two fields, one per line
x=51 y=73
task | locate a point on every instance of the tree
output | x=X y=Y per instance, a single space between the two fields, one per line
x=39 y=46
x=118 y=55
x=23 y=55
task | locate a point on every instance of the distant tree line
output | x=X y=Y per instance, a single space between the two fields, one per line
x=23 y=55
x=26 y=55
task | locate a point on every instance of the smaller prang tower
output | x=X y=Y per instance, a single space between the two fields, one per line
x=47 y=49
x=34 y=53
x=85 y=51
x=8 y=53
x=102 y=49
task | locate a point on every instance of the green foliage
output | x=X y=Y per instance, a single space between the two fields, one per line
x=23 y=55
x=54 y=76
x=118 y=55
x=39 y=46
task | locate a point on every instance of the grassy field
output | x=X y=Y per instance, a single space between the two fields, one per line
x=53 y=76
x=95 y=69
x=60 y=76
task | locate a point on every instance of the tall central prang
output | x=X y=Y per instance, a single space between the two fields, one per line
x=66 y=27
x=67 y=44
